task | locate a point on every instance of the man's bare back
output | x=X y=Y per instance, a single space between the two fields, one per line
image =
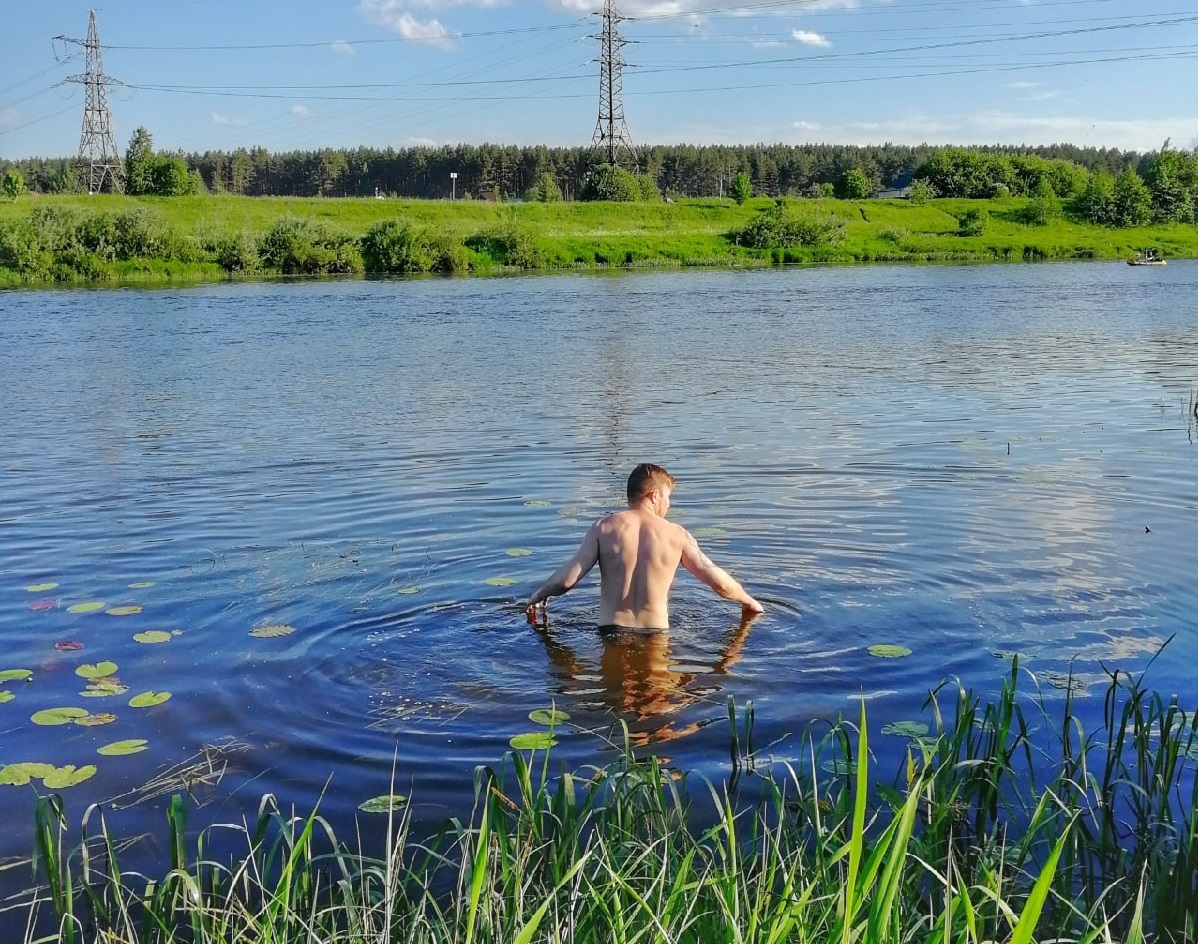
x=638 y=552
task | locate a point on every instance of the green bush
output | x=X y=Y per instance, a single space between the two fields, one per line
x=611 y=182
x=545 y=190
x=399 y=246
x=300 y=246
x=234 y=252
x=510 y=244
x=779 y=226
x=973 y=222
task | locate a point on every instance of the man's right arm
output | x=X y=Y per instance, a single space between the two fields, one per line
x=722 y=582
x=564 y=579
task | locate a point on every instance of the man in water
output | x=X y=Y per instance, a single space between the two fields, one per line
x=638 y=552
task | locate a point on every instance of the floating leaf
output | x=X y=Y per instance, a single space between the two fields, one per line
x=383 y=804
x=18 y=775
x=1063 y=681
x=40 y=606
x=550 y=717
x=141 y=585
x=152 y=636
x=501 y=581
x=6 y=696
x=96 y=719
x=131 y=610
x=839 y=766
x=270 y=632
x=907 y=729
x=41 y=587
x=519 y=552
x=710 y=531
x=410 y=590
x=887 y=651
x=538 y=503
x=51 y=716
x=99 y=670
x=533 y=741
x=121 y=748
x=104 y=691
x=14 y=675
x=571 y=511
x=89 y=607
x=148 y=699
x=68 y=645
x=68 y=776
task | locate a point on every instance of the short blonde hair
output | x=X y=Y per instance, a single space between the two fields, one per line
x=645 y=478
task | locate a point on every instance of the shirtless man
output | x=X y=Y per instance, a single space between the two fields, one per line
x=638 y=552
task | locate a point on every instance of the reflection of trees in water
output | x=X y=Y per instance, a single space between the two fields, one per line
x=638 y=679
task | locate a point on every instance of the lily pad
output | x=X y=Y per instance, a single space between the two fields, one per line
x=533 y=741
x=1064 y=681
x=141 y=585
x=519 y=552
x=501 y=581
x=90 y=607
x=104 y=689
x=14 y=675
x=40 y=606
x=41 y=587
x=6 y=696
x=538 y=503
x=270 y=632
x=550 y=717
x=99 y=670
x=17 y=775
x=152 y=636
x=68 y=645
x=710 y=531
x=50 y=716
x=148 y=699
x=383 y=804
x=68 y=776
x=888 y=651
x=907 y=729
x=130 y=610
x=96 y=719
x=839 y=766
x=410 y=590
x=121 y=748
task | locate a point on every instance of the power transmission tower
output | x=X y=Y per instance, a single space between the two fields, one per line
x=97 y=143
x=611 y=131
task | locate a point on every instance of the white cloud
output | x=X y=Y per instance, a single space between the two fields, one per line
x=9 y=117
x=342 y=48
x=226 y=121
x=392 y=15
x=810 y=38
x=422 y=142
x=680 y=8
x=807 y=125
x=1023 y=86
x=301 y=111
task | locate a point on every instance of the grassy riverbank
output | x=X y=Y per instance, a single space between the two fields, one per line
x=145 y=239
x=1007 y=823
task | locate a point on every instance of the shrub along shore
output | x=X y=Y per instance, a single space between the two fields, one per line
x=1007 y=822
x=108 y=238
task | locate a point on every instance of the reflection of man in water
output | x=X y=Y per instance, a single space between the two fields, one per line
x=638 y=552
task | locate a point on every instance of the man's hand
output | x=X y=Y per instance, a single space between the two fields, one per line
x=531 y=612
x=751 y=607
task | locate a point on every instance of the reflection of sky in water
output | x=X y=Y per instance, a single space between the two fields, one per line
x=303 y=453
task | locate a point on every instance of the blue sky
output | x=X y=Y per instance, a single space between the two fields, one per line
x=220 y=74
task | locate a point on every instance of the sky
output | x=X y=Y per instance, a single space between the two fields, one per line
x=222 y=74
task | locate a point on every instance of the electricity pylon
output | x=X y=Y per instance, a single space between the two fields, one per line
x=611 y=131
x=97 y=142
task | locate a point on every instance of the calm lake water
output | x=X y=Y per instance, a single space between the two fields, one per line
x=963 y=461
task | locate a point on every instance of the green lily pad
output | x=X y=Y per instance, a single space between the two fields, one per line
x=141 y=585
x=148 y=699
x=96 y=719
x=888 y=651
x=68 y=776
x=49 y=716
x=6 y=696
x=550 y=717
x=130 y=610
x=14 y=675
x=17 y=775
x=90 y=607
x=270 y=632
x=907 y=729
x=538 y=503
x=152 y=636
x=99 y=670
x=710 y=532
x=533 y=741
x=501 y=581
x=410 y=590
x=96 y=690
x=41 y=587
x=383 y=804
x=839 y=766
x=519 y=552
x=121 y=748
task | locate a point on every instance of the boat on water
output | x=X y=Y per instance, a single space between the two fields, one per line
x=1149 y=257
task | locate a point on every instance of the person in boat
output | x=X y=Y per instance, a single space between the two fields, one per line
x=638 y=552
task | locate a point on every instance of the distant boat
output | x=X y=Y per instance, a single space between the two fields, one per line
x=1147 y=257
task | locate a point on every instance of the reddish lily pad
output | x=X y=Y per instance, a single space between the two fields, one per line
x=148 y=699
x=40 y=606
x=68 y=645
x=128 y=610
x=91 y=606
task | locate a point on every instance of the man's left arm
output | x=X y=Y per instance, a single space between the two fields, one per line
x=565 y=577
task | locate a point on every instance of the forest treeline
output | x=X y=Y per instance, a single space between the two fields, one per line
x=505 y=172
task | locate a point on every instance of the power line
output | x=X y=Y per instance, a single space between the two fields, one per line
x=97 y=144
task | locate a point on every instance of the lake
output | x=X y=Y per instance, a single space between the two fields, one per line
x=968 y=462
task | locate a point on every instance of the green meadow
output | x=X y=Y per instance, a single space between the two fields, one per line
x=110 y=238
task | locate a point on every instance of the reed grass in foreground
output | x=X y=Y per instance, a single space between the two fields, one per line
x=1007 y=824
